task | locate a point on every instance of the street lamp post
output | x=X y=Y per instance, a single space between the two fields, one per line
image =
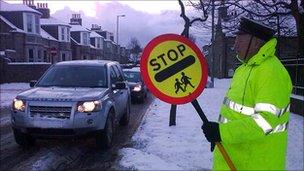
x=212 y=47
x=117 y=26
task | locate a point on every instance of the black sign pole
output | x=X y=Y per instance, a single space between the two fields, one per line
x=219 y=145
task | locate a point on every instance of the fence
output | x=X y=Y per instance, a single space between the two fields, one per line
x=21 y=72
x=295 y=67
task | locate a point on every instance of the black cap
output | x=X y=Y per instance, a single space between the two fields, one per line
x=256 y=29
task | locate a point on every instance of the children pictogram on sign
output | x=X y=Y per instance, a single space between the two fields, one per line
x=178 y=85
x=186 y=80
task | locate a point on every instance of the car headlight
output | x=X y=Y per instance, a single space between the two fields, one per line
x=137 y=88
x=19 y=105
x=90 y=106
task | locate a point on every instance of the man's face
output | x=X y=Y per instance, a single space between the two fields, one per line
x=241 y=44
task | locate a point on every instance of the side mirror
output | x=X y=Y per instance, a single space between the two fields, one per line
x=119 y=85
x=32 y=83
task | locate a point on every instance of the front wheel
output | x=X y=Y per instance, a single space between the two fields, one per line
x=23 y=139
x=125 y=119
x=104 y=138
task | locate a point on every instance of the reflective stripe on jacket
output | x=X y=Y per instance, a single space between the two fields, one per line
x=255 y=113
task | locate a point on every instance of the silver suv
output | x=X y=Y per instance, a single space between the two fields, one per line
x=73 y=98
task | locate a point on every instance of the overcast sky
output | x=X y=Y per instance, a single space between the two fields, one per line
x=143 y=19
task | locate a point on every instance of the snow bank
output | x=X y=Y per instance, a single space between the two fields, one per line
x=8 y=92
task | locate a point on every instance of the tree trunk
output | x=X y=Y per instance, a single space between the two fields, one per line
x=172 y=115
x=185 y=33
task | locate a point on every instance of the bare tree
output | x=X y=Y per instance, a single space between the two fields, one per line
x=135 y=49
x=276 y=12
x=188 y=23
x=287 y=7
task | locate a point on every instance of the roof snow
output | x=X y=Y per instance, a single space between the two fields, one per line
x=16 y=7
x=94 y=34
x=110 y=41
x=78 y=28
x=52 y=21
x=134 y=69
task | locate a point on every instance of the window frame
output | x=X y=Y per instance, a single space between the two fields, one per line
x=63 y=55
x=85 y=39
x=37 y=24
x=32 y=59
x=31 y=21
x=114 y=78
x=63 y=33
x=119 y=73
x=98 y=42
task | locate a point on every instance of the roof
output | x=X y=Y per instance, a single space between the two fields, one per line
x=134 y=69
x=78 y=28
x=109 y=40
x=52 y=21
x=86 y=62
x=16 y=7
x=46 y=35
x=94 y=34
x=11 y=25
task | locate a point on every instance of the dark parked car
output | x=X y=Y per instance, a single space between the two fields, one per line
x=73 y=98
x=136 y=84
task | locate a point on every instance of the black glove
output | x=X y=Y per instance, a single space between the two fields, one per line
x=212 y=133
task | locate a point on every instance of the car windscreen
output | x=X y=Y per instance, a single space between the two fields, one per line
x=74 y=76
x=132 y=76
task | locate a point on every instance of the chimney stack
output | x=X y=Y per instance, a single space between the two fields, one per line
x=76 y=19
x=42 y=7
x=29 y=3
x=96 y=27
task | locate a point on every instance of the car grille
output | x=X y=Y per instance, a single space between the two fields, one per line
x=39 y=131
x=51 y=111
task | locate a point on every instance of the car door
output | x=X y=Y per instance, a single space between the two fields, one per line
x=116 y=92
x=123 y=98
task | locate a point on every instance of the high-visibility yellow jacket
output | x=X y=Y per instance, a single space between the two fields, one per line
x=255 y=113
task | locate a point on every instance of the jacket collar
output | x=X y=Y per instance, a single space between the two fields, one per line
x=265 y=52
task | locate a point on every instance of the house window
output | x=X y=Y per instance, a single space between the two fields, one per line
x=39 y=55
x=68 y=34
x=63 y=58
x=85 y=38
x=30 y=23
x=98 y=42
x=37 y=24
x=64 y=34
x=31 y=55
x=45 y=59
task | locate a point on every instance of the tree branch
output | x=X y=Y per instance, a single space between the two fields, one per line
x=285 y=4
x=186 y=19
x=257 y=14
